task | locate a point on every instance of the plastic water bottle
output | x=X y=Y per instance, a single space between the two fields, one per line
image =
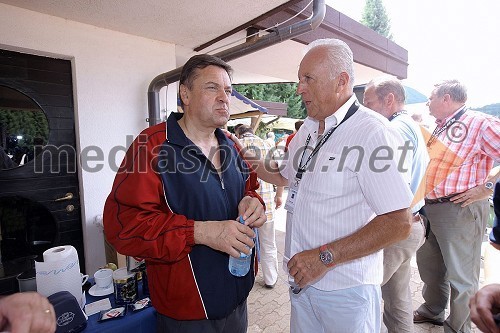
x=240 y=266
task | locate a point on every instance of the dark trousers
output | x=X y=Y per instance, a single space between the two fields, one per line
x=236 y=322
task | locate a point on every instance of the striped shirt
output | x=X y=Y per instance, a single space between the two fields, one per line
x=343 y=189
x=463 y=155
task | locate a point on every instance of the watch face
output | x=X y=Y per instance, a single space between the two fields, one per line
x=489 y=185
x=326 y=257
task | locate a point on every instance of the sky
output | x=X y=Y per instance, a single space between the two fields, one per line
x=445 y=40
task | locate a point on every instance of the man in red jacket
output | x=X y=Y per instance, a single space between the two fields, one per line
x=176 y=200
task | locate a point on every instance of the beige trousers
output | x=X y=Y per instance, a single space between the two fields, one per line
x=398 y=307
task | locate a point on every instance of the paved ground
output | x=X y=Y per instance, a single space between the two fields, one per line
x=269 y=309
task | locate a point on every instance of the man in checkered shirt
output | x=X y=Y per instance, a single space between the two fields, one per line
x=463 y=149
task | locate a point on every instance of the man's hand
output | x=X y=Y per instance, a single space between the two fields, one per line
x=483 y=305
x=253 y=212
x=228 y=236
x=306 y=268
x=471 y=195
x=27 y=312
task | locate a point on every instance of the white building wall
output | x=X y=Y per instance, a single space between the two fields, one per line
x=111 y=74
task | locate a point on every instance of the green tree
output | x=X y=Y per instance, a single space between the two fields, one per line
x=275 y=92
x=375 y=17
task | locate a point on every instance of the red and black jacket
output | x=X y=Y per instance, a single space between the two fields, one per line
x=162 y=187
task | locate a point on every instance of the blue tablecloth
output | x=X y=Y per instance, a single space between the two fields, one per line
x=143 y=321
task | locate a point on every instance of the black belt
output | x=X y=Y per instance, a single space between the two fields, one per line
x=439 y=200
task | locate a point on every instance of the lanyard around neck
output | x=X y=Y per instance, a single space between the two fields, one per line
x=437 y=131
x=397 y=114
x=303 y=166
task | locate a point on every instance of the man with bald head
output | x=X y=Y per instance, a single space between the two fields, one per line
x=344 y=203
x=386 y=96
x=463 y=149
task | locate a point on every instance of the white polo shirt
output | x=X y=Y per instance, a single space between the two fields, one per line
x=346 y=184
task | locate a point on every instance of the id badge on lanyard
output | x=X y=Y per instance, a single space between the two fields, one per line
x=294 y=187
x=292 y=195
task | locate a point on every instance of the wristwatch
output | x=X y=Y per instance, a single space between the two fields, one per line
x=326 y=256
x=489 y=185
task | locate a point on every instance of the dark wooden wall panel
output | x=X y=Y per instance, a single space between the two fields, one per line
x=48 y=82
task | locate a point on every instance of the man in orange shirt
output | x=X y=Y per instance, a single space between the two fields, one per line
x=463 y=149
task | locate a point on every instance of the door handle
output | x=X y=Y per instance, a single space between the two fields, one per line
x=67 y=196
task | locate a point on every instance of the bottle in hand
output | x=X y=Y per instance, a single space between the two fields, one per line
x=240 y=266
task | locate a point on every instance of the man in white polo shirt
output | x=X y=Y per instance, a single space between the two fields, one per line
x=346 y=201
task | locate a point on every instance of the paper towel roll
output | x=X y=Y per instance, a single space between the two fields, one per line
x=60 y=271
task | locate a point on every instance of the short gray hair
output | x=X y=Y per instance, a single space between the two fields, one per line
x=456 y=90
x=386 y=85
x=339 y=56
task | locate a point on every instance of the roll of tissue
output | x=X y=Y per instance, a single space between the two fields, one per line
x=59 y=271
